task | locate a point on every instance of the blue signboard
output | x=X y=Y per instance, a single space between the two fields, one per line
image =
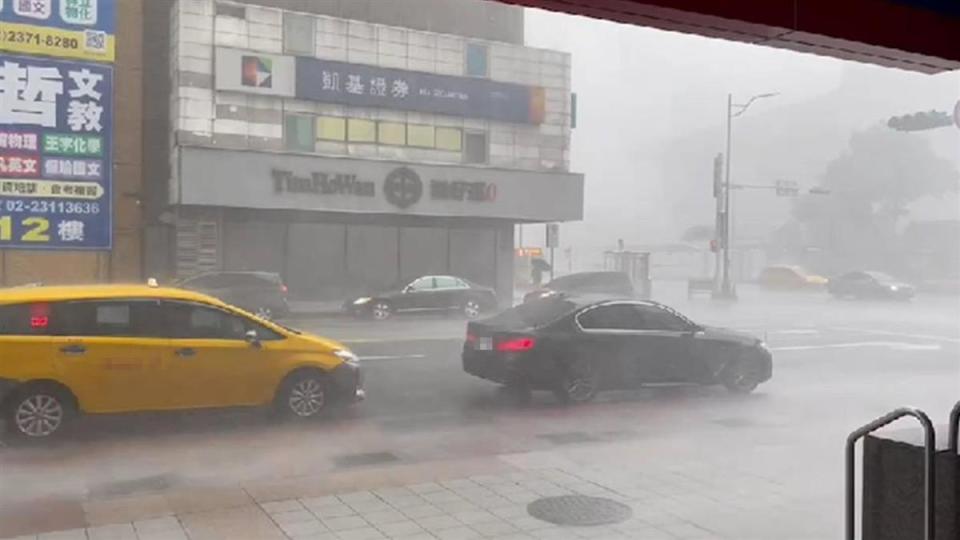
x=56 y=122
x=76 y=29
x=367 y=86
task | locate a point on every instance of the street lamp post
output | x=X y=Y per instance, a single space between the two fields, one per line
x=727 y=289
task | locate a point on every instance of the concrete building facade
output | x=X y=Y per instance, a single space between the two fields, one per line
x=349 y=155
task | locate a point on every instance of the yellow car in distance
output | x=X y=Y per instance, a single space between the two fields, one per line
x=67 y=350
x=790 y=277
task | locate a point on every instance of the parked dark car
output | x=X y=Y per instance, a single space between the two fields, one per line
x=261 y=293
x=427 y=294
x=611 y=284
x=579 y=346
x=867 y=284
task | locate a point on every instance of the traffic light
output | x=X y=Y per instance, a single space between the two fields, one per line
x=920 y=121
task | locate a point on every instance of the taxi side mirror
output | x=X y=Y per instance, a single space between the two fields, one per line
x=251 y=337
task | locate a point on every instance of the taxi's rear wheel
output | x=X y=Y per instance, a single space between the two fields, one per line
x=39 y=411
x=304 y=394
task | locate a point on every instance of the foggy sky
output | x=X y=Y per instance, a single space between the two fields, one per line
x=644 y=92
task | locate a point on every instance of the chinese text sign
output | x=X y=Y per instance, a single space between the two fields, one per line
x=79 y=29
x=56 y=120
x=368 y=86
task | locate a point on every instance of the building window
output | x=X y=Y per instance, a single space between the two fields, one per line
x=477 y=65
x=474 y=147
x=331 y=128
x=298 y=34
x=298 y=132
x=361 y=131
x=230 y=10
x=422 y=136
x=449 y=139
x=392 y=133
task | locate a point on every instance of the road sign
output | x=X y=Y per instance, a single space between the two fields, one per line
x=553 y=235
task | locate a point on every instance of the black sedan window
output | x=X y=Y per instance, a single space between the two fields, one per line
x=449 y=282
x=612 y=317
x=422 y=284
x=655 y=318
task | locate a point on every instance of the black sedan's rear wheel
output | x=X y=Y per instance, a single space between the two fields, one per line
x=742 y=376
x=579 y=383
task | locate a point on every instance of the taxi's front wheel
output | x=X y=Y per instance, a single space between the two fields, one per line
x=39 y=411
x=303 y=394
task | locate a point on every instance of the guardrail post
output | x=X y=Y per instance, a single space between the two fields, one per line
x=928 y=464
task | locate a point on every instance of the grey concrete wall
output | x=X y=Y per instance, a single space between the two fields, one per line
x=505 y=262
x=372 y=257
x=253 y=246
x=473 y=255
x=315 y=266
x=423 y=250
x=333 y=261
x=473 y=18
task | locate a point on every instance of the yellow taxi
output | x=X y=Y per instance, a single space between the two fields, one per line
x=66 y=350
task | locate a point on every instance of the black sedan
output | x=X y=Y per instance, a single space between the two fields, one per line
x=612 y=284
x=579 y=346
x=427 y=294
x=261 y=293
x=875 y=285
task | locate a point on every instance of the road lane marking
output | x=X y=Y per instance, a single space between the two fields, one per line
x=900 y=334
x=899 y=346
x=399 y=340
x=394 y=357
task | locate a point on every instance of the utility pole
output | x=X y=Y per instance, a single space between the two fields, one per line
x=726 y=289
x=718 y=222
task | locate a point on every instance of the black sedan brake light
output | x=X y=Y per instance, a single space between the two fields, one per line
x=518 y=344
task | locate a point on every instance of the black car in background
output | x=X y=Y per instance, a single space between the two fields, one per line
x=579 y=346
x=426 y=294
x=869 y=284
x=612 y=284
x=261 y=293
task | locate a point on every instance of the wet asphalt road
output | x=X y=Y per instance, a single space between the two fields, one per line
x=837 y=365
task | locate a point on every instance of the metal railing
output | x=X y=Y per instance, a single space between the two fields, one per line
x=954 y=438
x=928 y=464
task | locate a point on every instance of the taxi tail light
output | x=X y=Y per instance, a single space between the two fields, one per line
x=518 y=344
x=471 y=338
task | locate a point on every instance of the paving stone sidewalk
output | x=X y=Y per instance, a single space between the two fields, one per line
x=692 y=501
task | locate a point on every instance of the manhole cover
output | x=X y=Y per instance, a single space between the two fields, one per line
x=579 y=510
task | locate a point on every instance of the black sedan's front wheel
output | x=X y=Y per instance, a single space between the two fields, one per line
x=472 y=309
x=742 y=376
x=381 y=311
